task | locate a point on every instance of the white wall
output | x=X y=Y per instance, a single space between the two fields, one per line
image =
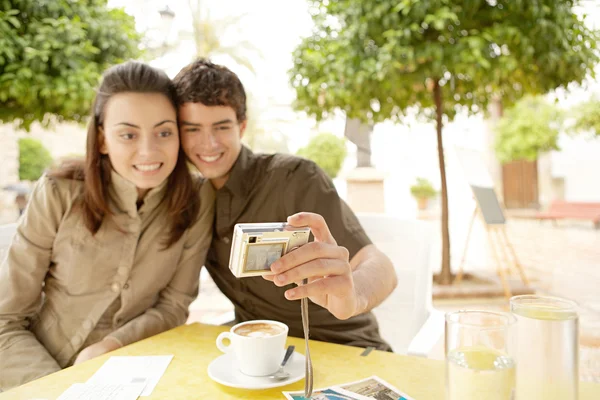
x=579 y=164
x=67 y=139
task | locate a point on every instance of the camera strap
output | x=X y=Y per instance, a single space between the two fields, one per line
x=308 y=377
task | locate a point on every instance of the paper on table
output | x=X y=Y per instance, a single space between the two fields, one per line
x=100 y=391
x=367 y=389
x=132 y=369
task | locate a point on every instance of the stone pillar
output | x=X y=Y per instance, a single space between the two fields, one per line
x=9 y=172
x=360 y=134
x=365 y=190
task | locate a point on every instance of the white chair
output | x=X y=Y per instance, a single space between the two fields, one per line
x=406 y=318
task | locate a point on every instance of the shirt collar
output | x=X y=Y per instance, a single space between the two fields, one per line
x=240 y=180
x=124 y=195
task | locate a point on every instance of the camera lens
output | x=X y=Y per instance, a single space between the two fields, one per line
x=252 y=239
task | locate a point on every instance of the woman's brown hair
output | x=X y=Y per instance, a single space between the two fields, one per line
x=181 y=198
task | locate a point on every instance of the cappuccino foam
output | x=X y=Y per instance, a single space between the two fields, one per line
x=259 y=329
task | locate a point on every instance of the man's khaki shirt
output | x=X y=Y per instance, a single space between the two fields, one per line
x=269 y=188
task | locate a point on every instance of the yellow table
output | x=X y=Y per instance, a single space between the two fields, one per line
x=193 y=347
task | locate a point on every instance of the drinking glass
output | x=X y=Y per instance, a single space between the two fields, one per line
x=479 y=355
x=547 y=348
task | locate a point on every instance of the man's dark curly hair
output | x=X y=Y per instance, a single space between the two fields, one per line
x=212 y=85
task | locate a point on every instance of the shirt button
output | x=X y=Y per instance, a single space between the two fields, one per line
x=122 y=271
x=76 y=341
x=88 y=324
x=115 y=287
x=126 y=286
x=226 y=240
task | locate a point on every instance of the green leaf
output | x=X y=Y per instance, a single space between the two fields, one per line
x=43 y=42
x=14 y=22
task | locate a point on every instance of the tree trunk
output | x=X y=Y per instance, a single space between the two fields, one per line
x=446 y=274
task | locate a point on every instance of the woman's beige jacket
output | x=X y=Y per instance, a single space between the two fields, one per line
x=57 y=279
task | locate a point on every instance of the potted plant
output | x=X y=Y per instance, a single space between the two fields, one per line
x=422 y=191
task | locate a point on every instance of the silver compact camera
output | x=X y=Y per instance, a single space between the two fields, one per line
x=256 y=246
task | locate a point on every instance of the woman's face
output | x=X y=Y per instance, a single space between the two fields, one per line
x=140 y=137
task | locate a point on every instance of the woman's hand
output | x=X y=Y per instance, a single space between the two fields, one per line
x=97 y=349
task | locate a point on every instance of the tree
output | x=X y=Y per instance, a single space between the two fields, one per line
x=588 y=117
x=527 y=129
x=382 y=59
x=327 y=151
x=209 y=33
x=34 y=158
x=52 y=54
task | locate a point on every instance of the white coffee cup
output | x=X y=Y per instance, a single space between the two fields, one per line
x=256 y=345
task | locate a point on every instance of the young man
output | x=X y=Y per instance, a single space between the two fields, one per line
x=347 y=275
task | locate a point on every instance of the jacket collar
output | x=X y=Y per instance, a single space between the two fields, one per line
x=240 y=179
x=124 y=195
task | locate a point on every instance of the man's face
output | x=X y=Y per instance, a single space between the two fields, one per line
x=211 y=137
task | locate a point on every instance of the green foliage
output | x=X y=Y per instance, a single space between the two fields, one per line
x=588 y=117
x=34 y=158
x=327 y=151
x=52 y=54
x=375 y=59
x=529 y=128
x=423 y=189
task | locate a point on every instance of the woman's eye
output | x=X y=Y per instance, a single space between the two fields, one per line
x=128 y=136
x=165 y=134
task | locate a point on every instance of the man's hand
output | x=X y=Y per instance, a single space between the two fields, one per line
x=324 y=264
x=97 y=349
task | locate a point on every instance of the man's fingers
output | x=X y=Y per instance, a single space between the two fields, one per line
x=308 y=252
x=313 y=269
x=316 y=223
x=337 y=286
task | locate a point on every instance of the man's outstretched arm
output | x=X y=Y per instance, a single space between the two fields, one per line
x=345 y=287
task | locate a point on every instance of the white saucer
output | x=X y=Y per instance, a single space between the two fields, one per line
x=224 y=370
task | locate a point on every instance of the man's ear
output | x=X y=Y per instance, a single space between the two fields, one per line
x=243 y=128
x=102 y=141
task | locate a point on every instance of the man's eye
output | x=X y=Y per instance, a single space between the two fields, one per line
x=224 y=128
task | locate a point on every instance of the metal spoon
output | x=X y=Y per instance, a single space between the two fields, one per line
x=281 y=374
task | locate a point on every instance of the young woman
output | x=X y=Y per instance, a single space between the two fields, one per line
x=108 y=251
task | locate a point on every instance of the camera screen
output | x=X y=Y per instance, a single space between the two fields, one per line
x=261 y=256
